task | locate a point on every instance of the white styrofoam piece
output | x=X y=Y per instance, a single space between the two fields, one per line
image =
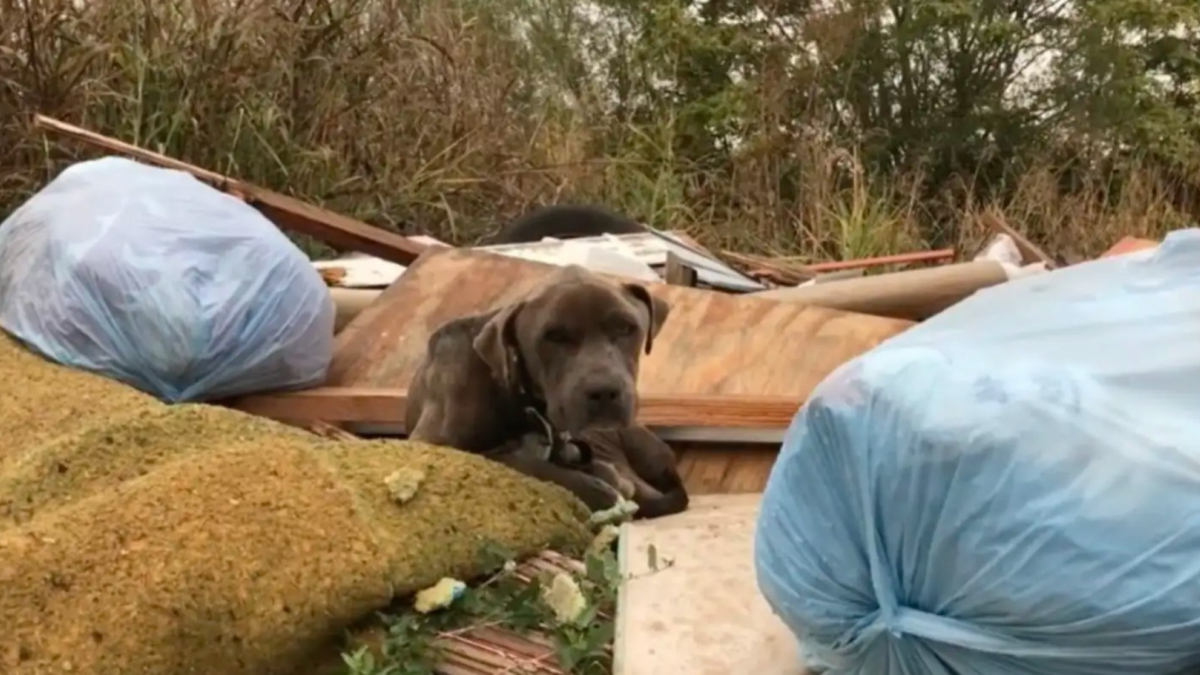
x=650 y=248
x=367 y=271
x=600 y=254
x=427 y=240
x=629 y=255
x=602 y=259
x=1001 y=249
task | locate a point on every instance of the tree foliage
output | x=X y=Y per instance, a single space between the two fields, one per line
x=819 y=127
x=960 y=90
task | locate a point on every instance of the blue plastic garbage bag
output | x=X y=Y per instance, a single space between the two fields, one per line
x=151 y=277
x=1012 y=487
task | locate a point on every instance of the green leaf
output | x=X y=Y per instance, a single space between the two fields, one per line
x=601 y=636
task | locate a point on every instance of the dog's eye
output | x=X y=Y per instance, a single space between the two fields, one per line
x=557 y=335
x=624 y=328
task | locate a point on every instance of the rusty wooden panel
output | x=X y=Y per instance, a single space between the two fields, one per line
x=713 y=343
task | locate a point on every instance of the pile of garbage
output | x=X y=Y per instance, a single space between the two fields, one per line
x=1004 y=488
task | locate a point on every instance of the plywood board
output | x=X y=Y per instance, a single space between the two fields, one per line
x=698 y=609
x=725 y=468
x=713 y=343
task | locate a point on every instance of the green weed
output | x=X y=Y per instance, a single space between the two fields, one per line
x=583 y=646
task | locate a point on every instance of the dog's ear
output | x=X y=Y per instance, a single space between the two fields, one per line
x=658 y=309
x=496 y=343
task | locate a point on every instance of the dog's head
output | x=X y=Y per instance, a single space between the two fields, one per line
x=579 y=339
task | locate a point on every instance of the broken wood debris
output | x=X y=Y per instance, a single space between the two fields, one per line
x=288 y=213
x=770 y=269
x=938 y=255
x=788 y=272
x=364 y=405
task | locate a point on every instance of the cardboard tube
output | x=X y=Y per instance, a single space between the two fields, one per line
x=350 y=302
x=914 y=294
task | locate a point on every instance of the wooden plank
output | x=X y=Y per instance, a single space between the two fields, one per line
x=289 y=213
x=363 y=405
x=1129 y=245
x=286 y=212
x=725 y=468
x=664 y=625
x=776 y=271
x=712 y=343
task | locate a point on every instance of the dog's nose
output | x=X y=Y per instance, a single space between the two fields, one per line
x=603 y=396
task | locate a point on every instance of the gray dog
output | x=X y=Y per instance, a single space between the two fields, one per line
x=563 y=361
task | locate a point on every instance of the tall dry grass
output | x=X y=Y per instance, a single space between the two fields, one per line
x=432 y=117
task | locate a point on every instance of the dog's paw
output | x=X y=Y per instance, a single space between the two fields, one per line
x=608 y=473
x=598 y=494
x=626 y=487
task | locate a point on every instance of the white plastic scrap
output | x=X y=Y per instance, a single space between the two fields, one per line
x=439 y=596
x=623 y=510
x=402 y=484
x=564 y=597
x=604 y=539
